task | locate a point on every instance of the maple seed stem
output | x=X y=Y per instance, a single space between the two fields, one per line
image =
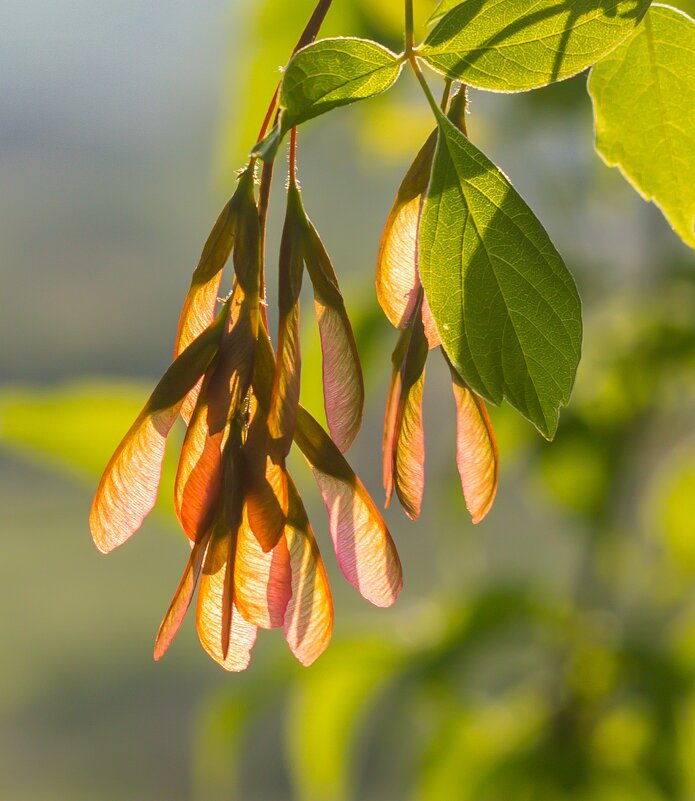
x=412 y=60
x=293 y=156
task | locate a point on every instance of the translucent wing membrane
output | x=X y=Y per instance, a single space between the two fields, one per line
x=128 y=489
x=366 y=553
x=343 y=387
x=476 y=450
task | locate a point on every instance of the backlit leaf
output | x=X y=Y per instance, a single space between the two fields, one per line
x=334 y=72
x=505 y=305
x=651 y=78
x=271 y=30
x=327 y=74
x=514 y=45
x=443 y=8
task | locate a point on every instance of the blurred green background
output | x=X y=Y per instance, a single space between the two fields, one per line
x=548 y=653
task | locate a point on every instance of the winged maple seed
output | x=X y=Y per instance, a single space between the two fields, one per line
x=254 y=557
x=403 y=300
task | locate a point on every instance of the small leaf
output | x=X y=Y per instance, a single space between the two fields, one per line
x=343 y=385
x=366 y=553
x=183 y=596
x=512 y=46
x=128 y=488
x=334 y=72
x=650 y=78
x=505 y=305
x=309 y=617
x=476 y=450
x=270 y=28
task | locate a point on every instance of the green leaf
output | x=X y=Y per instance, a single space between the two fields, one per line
x=327 y=74
x=511 y=46
x=644 y=107
x=443 y=8
x=328 y=705
x=505 y=305
x=261 y=36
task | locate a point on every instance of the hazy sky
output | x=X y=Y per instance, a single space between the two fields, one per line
x=107 y=119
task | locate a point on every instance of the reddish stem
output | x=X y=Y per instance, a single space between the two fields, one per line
x=308 y=35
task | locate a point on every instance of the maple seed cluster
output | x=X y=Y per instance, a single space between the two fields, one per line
x=254 y=557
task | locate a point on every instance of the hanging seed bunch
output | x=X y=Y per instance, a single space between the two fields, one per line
x=464 y=267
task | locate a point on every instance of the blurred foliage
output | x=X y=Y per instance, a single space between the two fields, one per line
x=524 y=690
x=76 y=428
x=508 y=690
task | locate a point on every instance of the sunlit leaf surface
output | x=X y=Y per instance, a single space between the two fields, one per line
x=128 y=488
x=505 y=305
x=644 y=108
x=334 y=72
x=514 y=45
x=326 y=713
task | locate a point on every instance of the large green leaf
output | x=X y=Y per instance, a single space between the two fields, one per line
x=644 y=107
x=505 y=305
x=514 y=45
x=327 y=74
